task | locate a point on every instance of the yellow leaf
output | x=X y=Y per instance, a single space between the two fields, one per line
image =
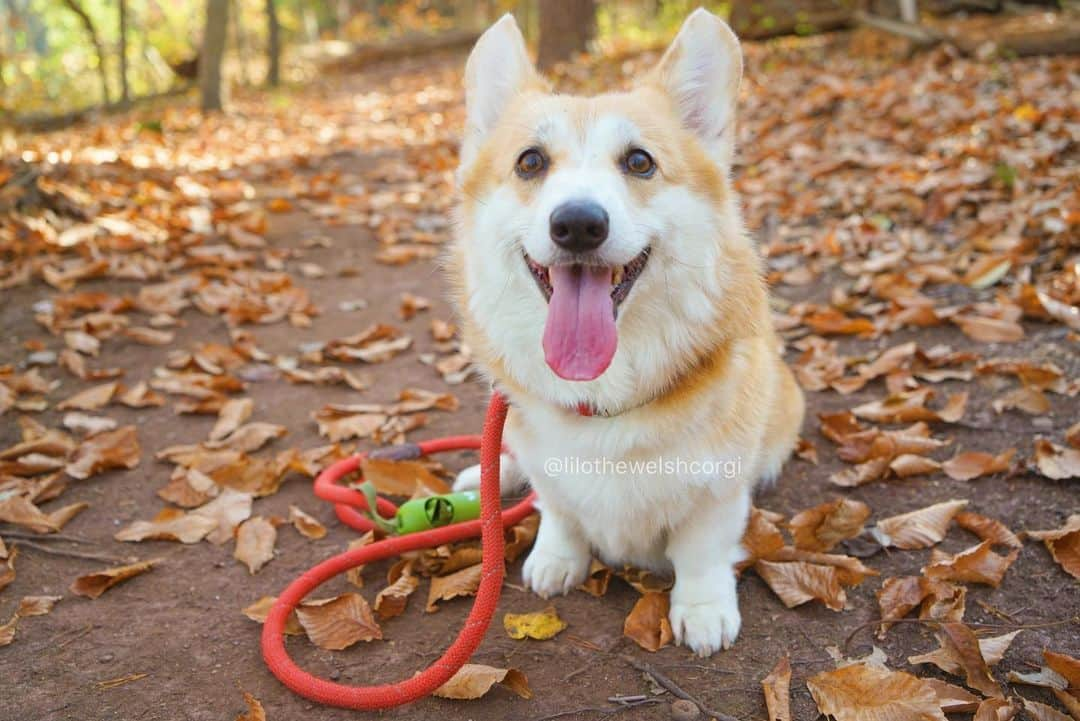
x=540 y=625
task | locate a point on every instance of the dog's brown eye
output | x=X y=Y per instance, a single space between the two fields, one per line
x=530 y=163
x=640 y=163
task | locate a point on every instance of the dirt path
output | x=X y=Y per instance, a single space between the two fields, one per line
x=181 y=624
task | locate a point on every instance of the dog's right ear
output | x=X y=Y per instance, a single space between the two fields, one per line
x=498 y=69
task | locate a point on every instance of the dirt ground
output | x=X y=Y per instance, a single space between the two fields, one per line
x=181 y=624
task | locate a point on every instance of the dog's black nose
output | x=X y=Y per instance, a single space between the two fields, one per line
x=579 y=225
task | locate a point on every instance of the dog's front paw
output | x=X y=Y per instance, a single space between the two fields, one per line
x=705 y=626
x=548 y=574
x=510 y=477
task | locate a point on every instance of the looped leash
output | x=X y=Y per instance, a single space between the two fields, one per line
x=489 y=527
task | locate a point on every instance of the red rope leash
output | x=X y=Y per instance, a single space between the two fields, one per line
x=489 y=527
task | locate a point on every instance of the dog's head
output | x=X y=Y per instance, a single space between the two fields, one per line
x=599 y=239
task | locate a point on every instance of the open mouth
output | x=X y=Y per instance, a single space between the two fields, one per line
x=580 y=336
x=622 y=277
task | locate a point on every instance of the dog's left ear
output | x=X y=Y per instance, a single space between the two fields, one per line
x=498 y=69
x=701 y=73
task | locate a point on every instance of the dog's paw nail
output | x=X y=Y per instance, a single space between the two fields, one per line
x=549 y=575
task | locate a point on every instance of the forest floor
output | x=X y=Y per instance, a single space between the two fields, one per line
x=922 y=200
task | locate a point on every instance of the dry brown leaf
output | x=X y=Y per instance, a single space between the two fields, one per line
x=520 y=537
x=227 y=511
x=975 y=464
x=911 y=407
x=952 y=699
x=897 y=597
x=259 y=610
x=832 y=322
x=87 y=424
x=917 y=529
x=777 y=688
x=391 y=601
x=188 y=488
x=1042 y=712
x=596 y=583
x=850 y=571
x=105 y=451
x=473 y=681
x=401 y=478
x=1063 y=544
x=7 y=568
x=863 y=473
x=989 y=330
x=909 y=464
x=171 y=524
x=1057 y=462
x=1028 y=399
x=339 y=622
x=36 y=605
x=91 y=399
x=231 y=416
x=308 y=526
x=1065 y=666
x=957 y=655
x=255 y=710
x=20 y=511
x=355 y=574
x=60 y=517
x=459 y=583
x=249 y=437
x=988 y=529
x=255 y=539
x=7 y=630
x=978 y=564
x=647 y=625
x=796 y=582
x=995 y=709
x=148 y=336
x=411 y=305
x=141 y=395
x=93 y=585
x=862 y=692
x=338 y=426
x=761 y=539
x=822 y=527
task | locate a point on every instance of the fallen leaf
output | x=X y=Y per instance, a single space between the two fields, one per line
x=762 y=537
x=93 y=585
x=411 y=305
x=995 y=709
x=1057 y=462
x=460 y=583
x=226 y=512
x=861 y=692
x=520 y=537
x=796 y=582
x=596 y=583
x=339 y=622
x=249 y=437
x=647 y=625
x=255 y=539
x=1042 y=712
x=36 y=605
x=355 y=574
x=777 y=688
x=988 y=529
x=20 y=511
x=87 y=424
x=1028 y=399
x=978 y=564
x=232 y=414
x=105 y=451
x=917 y=529
x=975 y=464
x=255 y=710
x=259 y=610
x=391 y=601
x=952 y=699
x=1065 y=666
x=7 y=568
x=7 y=630
x=401 y=478
x=473 y=681
x=1063 y=544
x=539 y=625
x=822 y=527
x=908 y=464
x=171 y=524
x=962 y=654
x=989 y=330
x=307 y=525
x=91 y=399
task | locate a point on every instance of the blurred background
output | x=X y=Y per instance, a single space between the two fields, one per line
x=62 y=58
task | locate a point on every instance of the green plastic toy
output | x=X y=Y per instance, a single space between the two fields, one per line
x=422 y=514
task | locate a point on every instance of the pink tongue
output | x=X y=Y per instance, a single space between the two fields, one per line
x=580 y=337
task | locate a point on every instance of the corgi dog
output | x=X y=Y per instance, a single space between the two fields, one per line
x=608 y=289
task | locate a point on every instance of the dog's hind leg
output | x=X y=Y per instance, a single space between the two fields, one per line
x=511 y=478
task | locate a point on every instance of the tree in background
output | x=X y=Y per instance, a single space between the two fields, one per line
x=213 y=50
x=96 y=41
x=125 y=96
x=273 y=45
x=566 y=27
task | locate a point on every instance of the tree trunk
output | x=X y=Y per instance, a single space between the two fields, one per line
x=213 y=50
x=92 y=32
x=125 y=98
x=566 y=27
x=273 y=45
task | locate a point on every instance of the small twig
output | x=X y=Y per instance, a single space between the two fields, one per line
x=932 y=622
x=571 y=675
x=75 y=636
x=605 y=710
x=24 y=536
x=675 y=689
x=70 y=554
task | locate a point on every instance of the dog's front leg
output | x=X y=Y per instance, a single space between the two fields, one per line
x=560 y=559
x=704 y=550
